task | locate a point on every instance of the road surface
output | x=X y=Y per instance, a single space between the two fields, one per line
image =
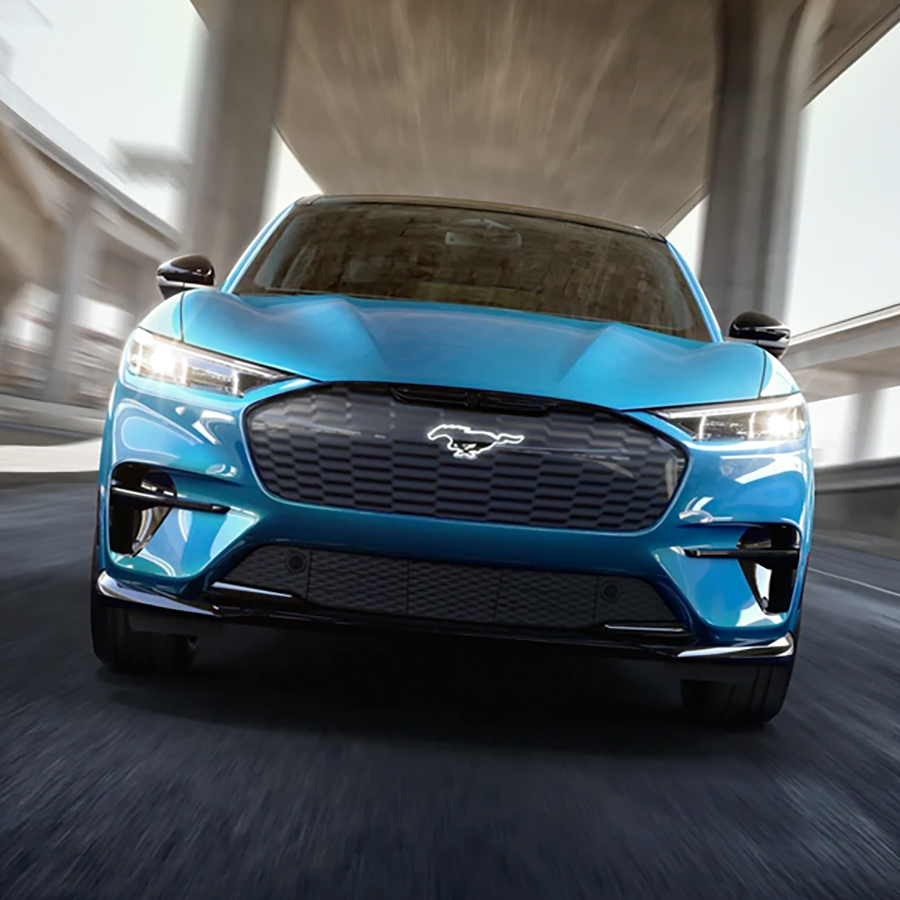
x=293 y=766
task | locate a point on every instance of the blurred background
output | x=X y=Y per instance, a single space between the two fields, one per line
x=102 y=109
x=97 y=103
x=761 y=136
x=128 y=134
x=97 y=136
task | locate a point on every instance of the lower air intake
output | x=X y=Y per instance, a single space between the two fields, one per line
x=428 y=590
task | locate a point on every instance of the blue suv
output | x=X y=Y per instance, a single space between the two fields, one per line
x=447 y=416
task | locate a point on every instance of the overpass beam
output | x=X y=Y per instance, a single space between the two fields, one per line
x=239 y=99
x=767 y=51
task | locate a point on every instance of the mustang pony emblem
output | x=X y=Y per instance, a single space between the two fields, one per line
x=467 y=443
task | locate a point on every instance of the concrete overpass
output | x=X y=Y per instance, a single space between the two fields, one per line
x=68 y=230
x=626 y=109
x=858 y=353
x=859 y=356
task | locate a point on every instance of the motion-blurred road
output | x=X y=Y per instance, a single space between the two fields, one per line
x=308 y=767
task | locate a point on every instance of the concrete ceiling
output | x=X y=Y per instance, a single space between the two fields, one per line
x=594 y=106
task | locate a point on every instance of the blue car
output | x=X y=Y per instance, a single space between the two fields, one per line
x=453 y=417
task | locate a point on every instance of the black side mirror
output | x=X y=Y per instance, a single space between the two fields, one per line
x=193 y=270
x=762 y=329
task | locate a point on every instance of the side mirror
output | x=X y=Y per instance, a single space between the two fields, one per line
x=763 y=330
x=193 y=270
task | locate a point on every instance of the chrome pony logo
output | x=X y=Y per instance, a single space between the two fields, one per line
x=467 y=443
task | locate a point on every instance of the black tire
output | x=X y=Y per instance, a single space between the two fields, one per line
x=754 y=703
x=121 y=649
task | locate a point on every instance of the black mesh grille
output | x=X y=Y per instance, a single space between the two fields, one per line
x=427 y=590
x=459 y=454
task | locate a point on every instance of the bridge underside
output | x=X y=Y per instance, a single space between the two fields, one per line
x=601 y=107
x=630 y=110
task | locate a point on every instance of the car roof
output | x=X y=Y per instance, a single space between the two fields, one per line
x=575 y=218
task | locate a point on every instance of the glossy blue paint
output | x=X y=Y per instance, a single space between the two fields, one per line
x=165 y=319
x=777 y=380
x=198 y=438
x=330 y=338
x=709 y=317
x=185 y=543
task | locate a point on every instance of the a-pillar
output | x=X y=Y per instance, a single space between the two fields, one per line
x=238 y=102
x=78 y=265
x=767 y=58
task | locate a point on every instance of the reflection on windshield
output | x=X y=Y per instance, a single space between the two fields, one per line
x=501 y=260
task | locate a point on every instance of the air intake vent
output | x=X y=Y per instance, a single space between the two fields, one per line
x=430 y=590
x=535 y=462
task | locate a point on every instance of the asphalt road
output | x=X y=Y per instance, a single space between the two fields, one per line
x=294 y=766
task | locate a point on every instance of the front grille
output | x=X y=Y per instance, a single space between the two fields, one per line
x=457 y=454
x=429 y=590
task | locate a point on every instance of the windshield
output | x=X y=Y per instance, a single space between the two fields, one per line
x=463 y=256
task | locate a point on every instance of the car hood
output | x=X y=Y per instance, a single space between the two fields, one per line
x=334 y=338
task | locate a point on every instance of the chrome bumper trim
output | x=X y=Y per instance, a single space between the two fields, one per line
x=626 y=628
x=109 y=587
x=790 y=555
x=242 y=591
x=167 y=500
x=780 y=648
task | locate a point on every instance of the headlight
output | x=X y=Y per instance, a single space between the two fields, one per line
x=772 y=419
x=162 y=359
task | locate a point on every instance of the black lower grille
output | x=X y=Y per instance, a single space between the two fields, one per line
x=457 y=454
x=428 y=590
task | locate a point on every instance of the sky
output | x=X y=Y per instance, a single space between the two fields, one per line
x=848 y=196
x=125 y=70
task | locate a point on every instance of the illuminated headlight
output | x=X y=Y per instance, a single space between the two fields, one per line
x=162 y=359
x=772 y=419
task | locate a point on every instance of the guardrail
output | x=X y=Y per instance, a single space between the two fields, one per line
x=858 y=505
x=56 y=416
x=876 y=473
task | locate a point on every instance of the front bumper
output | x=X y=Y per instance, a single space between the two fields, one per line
x=157 y=612
x=199 y=440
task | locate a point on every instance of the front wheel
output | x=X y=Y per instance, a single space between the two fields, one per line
x=122 y=649
x=753 y=703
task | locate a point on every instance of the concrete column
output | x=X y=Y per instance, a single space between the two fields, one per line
x=78 y=265
x=866 y=413
x=767 y=53
x=239 y=100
